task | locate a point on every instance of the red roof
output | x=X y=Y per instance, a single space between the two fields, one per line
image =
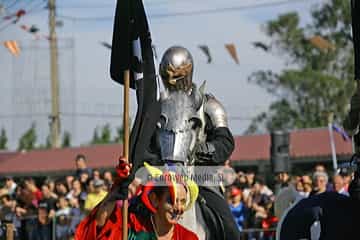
x=98 y=156
x=304 y=143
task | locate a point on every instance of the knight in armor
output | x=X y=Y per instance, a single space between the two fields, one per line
x=185 y=106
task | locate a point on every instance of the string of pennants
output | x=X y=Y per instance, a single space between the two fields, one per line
x=13 y=45
x=317 y=41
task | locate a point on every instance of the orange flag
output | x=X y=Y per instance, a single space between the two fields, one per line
x=232 y=50
x=321 y=43
x=13 y=47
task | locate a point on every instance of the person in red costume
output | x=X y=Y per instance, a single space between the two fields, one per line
x=153 y=213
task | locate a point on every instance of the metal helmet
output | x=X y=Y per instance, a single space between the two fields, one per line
x=176 y=69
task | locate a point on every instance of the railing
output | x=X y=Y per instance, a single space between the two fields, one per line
x=63 y=228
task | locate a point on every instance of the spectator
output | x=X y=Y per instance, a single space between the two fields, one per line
x=307 y=183
x=319 y=168
x=108 y=178
x=250 y=177
x=96 y=174
x=339 y=185
x=257 y=202
x=10 y=185
x=84 y=177
x=42 y=228
x=93 y=198
x=69 y=179
x=282 y=180
x=77 y=191
x=299 y=187
x=8 y=213
x=75 y=214
x=49 y=199
x=241 y=180
x=63 y=218
x=80 y=162
x=90 y=186
x=320 y=182
x=26 y=199
x=238 y=208
x=31 y=187
x=347 y=177
x=51 y=184
x=60 y=187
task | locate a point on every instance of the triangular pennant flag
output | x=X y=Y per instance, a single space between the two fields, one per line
x=13 y=47
x=232 y=50
x=206 y=51
x=19 y=14
x=261 y=45
x=105 y=44
x=321 y=43
x=33 y=29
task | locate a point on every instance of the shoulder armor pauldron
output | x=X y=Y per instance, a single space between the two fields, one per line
x=216 y=111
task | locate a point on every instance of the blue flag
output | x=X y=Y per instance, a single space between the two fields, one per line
x=341 y=131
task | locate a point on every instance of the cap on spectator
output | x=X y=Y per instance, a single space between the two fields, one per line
x=235 y=192
x=98 y=183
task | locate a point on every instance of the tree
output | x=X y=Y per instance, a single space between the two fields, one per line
x=119 y=135
x=3 y=139
x=320 y=74
x=28 y=140
x=66 y=142
x=106 y=134
x=96 y=138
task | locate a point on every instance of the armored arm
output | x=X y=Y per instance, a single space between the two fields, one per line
x=219 y=141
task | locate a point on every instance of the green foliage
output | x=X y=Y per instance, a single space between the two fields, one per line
x=66 y=142
x=106 y=134
x=96 y=138
x=119 y=135
x=28 y=140
x=104 y=137
x=3 y=139
x=318 y=81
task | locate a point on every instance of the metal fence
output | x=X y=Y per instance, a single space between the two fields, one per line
x=63 y=228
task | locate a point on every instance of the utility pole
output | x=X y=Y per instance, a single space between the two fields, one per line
x=55 y=116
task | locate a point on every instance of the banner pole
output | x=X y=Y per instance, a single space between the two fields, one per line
x=126 y=140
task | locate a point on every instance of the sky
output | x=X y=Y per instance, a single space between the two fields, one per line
x=89 y=98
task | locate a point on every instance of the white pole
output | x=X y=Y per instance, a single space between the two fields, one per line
x=332 y=143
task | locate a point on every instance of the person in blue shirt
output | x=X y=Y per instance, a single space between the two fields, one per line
x=238 y=208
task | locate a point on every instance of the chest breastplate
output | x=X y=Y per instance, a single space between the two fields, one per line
x=180 y=127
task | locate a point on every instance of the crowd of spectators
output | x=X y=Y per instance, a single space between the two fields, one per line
x=52 y=208
x=252 y=201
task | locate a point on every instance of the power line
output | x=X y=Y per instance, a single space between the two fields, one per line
x=28 y=12
x=11 y=4
x=196 y=12
x=92 y=6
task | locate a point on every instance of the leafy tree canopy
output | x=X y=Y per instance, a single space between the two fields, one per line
x=319 y=77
